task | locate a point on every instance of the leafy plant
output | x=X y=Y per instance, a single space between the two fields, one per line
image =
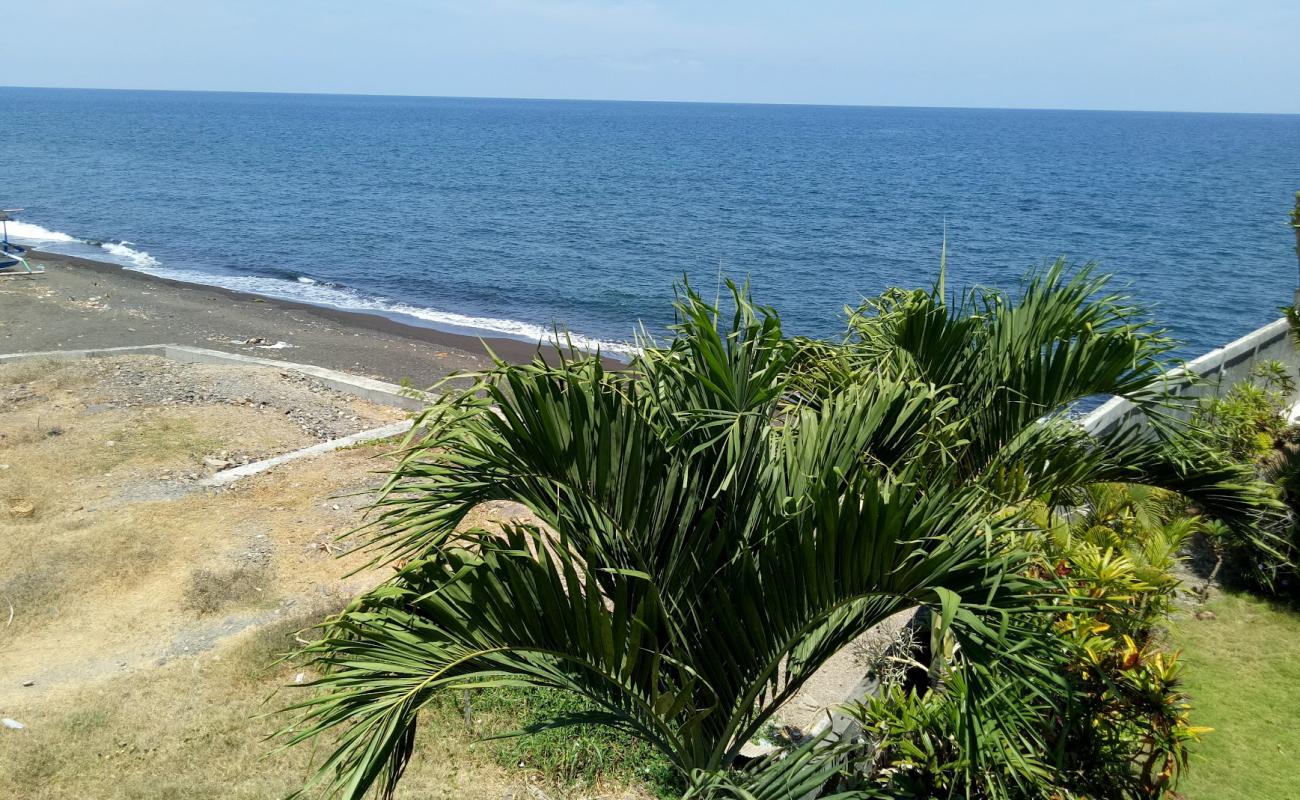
x=694 y=562
x=712 y=524
x=1247 y=421
x=1126 y=727
x=1015 y=368
x=1293 y=319
x=1125 y=544
x=1250 y=424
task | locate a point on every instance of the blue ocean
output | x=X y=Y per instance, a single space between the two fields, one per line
x=509 y=217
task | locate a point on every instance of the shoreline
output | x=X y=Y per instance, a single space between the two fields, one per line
x=95 y=303
x=125 y=255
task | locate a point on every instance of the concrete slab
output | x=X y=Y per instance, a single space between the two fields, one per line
x=389 y=394
x=229 y=476
x=356 y=385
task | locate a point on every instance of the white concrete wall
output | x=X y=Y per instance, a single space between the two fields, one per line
x=1214 y=372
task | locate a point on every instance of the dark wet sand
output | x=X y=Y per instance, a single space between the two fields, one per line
x=78 y=304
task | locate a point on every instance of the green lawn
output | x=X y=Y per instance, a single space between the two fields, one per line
x=1243 y=673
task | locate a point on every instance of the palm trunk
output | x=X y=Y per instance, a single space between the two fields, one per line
x=1214 y=574
x=1295 y=225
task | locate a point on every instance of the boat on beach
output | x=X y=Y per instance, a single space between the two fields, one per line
x=13 y=257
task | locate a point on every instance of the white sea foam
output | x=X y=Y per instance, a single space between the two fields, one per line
x=26 y=232
x=303 y=290
x=321 y=294
x=130 y=255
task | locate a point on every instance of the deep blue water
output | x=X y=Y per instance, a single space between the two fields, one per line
x=512 y=215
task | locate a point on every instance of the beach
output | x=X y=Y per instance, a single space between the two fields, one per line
x=650 y=401
x=79 y=304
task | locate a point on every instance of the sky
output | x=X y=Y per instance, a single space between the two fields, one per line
x=1191 y=55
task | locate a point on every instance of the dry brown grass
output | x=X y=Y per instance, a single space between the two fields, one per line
x=51 y=372
x=197 y=728
x=211 y=590
x=54 y=570
x=137 y=612
x=194 y=729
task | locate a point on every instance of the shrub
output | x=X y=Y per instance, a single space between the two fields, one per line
x=1248 y=421
x=1249 y=424
x=1118 y=724
x=719 y=520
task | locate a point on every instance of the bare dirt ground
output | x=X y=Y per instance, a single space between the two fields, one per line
x=145 y=608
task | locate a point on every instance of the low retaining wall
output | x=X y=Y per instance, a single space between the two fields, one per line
x=1208 y=375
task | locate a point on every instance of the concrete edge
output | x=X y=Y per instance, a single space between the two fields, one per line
x=94 y=352
x=1232 y=351
x=1115 y=411
x=229 y=476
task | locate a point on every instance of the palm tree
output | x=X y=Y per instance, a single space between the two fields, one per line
x=1016 y=369
x=715 y=522
x=1295 y=225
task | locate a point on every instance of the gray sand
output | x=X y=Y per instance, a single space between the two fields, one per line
x=80 y=304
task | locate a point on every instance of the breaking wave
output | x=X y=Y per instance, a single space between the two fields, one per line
x=299 y=288
x=130 y=255
x=28 y=233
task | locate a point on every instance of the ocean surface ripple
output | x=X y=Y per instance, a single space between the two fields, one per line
x=514 y=217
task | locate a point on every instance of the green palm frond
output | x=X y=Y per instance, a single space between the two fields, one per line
x=702 y=547
x=708 y=527
x=1015 y=368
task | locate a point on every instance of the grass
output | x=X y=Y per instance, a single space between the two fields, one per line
x=106 y=567
x=52 y=565
x=576 y=758
x=1242 y=670
x=195 y=731
x=57 y=372
x=161 y=437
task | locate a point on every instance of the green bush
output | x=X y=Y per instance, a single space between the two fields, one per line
x=1118 y=724
x=1248 y=421
x=712 y=525
x=1249 y=424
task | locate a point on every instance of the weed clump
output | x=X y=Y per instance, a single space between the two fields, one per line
x=209 y=591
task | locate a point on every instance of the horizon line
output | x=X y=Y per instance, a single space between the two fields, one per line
x=654 y=101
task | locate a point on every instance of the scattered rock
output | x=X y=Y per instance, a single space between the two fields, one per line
x=215 y=463
x=1205 y=615
x=142 y=381
x=12 y=724
x=21 y=508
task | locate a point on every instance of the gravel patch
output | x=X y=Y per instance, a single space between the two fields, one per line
x=318 y=410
